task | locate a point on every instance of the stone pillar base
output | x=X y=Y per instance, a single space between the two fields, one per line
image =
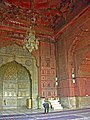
x=75 y=102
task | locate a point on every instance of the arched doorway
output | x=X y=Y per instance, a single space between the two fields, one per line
x=15 y=85
x=83 y=80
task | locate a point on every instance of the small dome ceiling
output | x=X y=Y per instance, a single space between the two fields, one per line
x=14 y=71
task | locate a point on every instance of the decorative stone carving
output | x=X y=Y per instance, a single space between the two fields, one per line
x=15 y=50
x=28 y=62
x=20 y=55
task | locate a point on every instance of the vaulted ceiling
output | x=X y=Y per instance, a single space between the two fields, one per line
x=47 y=16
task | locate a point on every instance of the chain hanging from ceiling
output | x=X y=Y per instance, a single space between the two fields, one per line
x=31 y=42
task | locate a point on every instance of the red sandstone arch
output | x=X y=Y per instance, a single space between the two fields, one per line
x=84 y=76
x=79 y=53
x=80 y=46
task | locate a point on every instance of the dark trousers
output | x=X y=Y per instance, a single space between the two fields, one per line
x=46 y=109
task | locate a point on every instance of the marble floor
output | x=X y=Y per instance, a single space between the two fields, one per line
x=37 y=114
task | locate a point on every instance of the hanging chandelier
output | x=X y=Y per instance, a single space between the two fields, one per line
x=31 y=42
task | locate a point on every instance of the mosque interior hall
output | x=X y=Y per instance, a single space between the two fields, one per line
x=44 y=54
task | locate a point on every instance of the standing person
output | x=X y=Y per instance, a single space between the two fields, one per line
x=46 y=107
